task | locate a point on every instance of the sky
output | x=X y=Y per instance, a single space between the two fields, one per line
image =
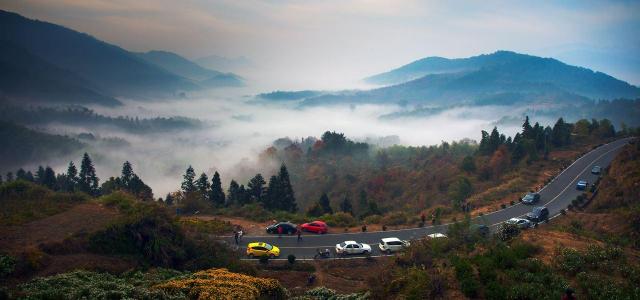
x=334 y=43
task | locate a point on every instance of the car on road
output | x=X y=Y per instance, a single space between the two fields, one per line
x=538 y=214
x=315 y=226
x=353 y=247
x=259 y=249
x=392 y=244
x=596 y=170
x=287 y=228
x=481 y=229
x=531 y=198
x=436 y=235
x=582 y=185
x=521 y=223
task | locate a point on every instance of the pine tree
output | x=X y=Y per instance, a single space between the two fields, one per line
x=168 y=200
x=202 y=185
x=71 y=178
x=243 y=197
x=21 y=174
x=255 y=188
x=40 y=175
x=561 y=133
x=88 y=181
x=49 y=179
x=188 y=186
x=325 y=204
x=29 y=176
x=345 y=205
x=9 y=176
x=127 y=173
x=527 y=130
x=468 y=164
x=217 y=196
x=273 y=194
x=233 y=196
x=288 y=200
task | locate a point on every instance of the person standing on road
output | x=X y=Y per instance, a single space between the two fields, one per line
x=235 y=236
x=299 y=235
x=279 y=231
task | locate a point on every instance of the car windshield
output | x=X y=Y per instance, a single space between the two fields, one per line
x=343 y=244
x=528 y=197
x=537 y=210
x=269 y=247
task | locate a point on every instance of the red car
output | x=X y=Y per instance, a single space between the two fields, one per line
x=315 y=226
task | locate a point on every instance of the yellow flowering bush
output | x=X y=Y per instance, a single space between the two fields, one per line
x=213 y=226
x=222 y=284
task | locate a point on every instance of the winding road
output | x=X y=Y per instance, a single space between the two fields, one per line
x=556 y=196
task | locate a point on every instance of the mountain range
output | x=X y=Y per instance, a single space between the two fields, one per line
x=503 y=77
x=48 y=63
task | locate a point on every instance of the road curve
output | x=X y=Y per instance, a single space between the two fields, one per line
x=556 y=196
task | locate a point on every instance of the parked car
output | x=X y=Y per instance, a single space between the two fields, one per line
x=521 y=223
x=531 y=198
x=287 y=228
x=258 y=249
x=392 y=244
x=352 y=247
x=315 y=226
x=538 y=214
x=596 y=170
x=582 y=185
x=480 y=229
x=436 y=235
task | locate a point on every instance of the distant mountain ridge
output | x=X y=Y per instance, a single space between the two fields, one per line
x=179 y=65
x=103 y=71
x=502 y=77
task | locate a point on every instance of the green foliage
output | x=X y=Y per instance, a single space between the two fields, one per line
x=323 y=293
x=339 y=219
x=92 y=285
x=459 y=191
x=507 y=231
x=22 y=201
x=7 y=265
x=395 y=218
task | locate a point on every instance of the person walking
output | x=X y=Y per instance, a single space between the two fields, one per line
x=235 y=236
x=299 y=235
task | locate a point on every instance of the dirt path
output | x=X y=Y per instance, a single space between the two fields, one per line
x=85 y=217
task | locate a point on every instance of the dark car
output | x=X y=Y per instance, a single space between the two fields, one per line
x=582 y=185
x=596 y=170
x=481 y=229
x=531 y=198
x=538 y=214
x=287 y=228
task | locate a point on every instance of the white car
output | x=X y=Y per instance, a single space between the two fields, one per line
x=392 y=244
x=436 y=235
x=352 y=247
x=521 y=223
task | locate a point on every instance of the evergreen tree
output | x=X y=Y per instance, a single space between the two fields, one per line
x=243 y=197
x=273 y=194
x=373 y=208
x=71 y=179
x=127 y=173
x=561 y=133
x=29 y=176
x=255 y=187
x=468 y=164
x=325 y=204
x=188 y=185
x=202 y=185
x=217 y=196
x=40 y=175
x=527 y=130
x=21 y=174
x=9 y=176
x=345 y=205
x=363 y=204
x=233 y=196
x=288 y=200
x=459 y=191
x=49 y=179
x=315 y=210
x=87 y=179
x=483 y=148
x=168 y=200
x=494 y=140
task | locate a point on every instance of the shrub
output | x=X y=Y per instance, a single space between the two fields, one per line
x=503 y=206
x=339 y=219
x=569 y=260
x=373 y=219
x=507 y=231
x=7 y=265
x=395 y=218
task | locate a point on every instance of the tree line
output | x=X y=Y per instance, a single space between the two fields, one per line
x=84 y=180
x=277 y=195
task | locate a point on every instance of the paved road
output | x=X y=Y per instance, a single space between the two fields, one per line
x=555 y=196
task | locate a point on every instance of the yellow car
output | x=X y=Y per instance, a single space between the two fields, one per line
x=258 y=249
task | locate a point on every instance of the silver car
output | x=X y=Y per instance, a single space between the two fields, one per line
x=521 y=223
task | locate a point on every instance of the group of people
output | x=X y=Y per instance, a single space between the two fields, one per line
x=237 y=234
